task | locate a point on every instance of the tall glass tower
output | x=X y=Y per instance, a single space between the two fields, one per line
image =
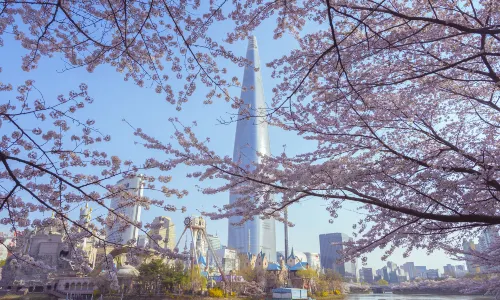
x=251 y=138
x=120 y=232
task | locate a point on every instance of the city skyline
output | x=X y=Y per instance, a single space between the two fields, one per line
x=306 y=229
x=384 y=126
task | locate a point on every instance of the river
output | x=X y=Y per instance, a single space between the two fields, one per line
x=412 y=297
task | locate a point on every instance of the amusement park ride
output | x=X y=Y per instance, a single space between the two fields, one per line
x=197 y=227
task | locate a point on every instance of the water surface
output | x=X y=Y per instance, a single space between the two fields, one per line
x=413 y=297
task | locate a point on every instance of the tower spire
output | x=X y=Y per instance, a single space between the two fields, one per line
x=251 y=139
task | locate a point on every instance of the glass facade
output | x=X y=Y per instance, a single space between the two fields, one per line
x=119 y=231
x=251 y=138
x=330 y=245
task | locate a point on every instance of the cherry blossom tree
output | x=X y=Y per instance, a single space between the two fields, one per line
x=47 y=165
x=402 y=100
x=400 y=97
x=43 y=170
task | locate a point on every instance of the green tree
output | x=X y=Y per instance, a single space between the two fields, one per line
x=307 y=275
x=382 y=282
x=248 y=274
x=331 y=275
x=198 y=282
x=330 y=281
x=169 y=276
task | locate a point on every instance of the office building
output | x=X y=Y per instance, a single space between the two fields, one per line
x=142 y=241
x=124 y=203
x=420 y=271
x=409 y=268
x=228 y=260
x=214 y=241
x=313 y=260
x=460 y=271
x=449 y=270
x=331 y=245
x=251 y=138
x=367 y=275
x=163 y=233
x=391 y=265
x=386 y=274
x=432 y=274
x=468 y=245
x=487 y=237
x=7 y=241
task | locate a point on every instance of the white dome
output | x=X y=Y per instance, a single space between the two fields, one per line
x=127 y=271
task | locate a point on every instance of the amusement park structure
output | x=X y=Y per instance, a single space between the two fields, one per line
x=197 y=228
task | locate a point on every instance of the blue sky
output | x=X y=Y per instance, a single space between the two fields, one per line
x=115 y=99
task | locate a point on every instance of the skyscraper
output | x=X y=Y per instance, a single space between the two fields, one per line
x=251 y=138
x=367 y=275
x=468 y=245
x=120 y=231
x=409 y=268
x=420 y=271
x=487 y=238
x=214 y=242
x=330 y=245
x=313 y=260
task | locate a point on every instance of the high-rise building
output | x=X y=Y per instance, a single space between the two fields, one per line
x=120 y=230
x=228 y=260
x=214 y=241
x=165 y=228
x=251 y=138
x=142 y=241
x=449 y=270
x=331 y=244
x=409 y=268
x=421 y=271
x=398 y=275
x=487 y=237
x=3 y=249
x=392 y=265
x=468 y=245
x=367 y=275
x=432 y=274
x=313 y=260
x=460 y=271
x=85 y=220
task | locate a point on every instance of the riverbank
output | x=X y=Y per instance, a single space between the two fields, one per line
x=331 y=297
x=28 y=297
x=153 y=297
x=430 y=291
